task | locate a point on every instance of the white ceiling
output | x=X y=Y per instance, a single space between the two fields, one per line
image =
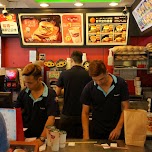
x=33 y=4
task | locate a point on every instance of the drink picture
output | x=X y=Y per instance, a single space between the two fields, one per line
x=75 y=34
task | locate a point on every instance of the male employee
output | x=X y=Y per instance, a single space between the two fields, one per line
x=108 y=95
x=37 y=102
x=73 y=82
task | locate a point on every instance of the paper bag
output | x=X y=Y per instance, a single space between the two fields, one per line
x=135 y=126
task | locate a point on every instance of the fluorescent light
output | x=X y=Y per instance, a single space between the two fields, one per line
x=78 y=4
x=1 y=5
x=113 y=4
x=44 y=5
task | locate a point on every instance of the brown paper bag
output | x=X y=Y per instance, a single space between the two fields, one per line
x=135 y=126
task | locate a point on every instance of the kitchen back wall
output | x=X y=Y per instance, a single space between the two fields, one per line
x=13 y=55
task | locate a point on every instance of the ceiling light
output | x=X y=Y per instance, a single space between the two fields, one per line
x=113 y=4
x=78 y=3
x=44 y=5
x=1 y=5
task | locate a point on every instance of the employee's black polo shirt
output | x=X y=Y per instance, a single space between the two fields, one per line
x=35 y=113
x=106 y=107
x=73 y=82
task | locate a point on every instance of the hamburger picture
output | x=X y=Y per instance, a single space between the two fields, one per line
x=46 y=32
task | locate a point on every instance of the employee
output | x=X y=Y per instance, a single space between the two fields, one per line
x=73 y=82
x=37 y=102
x=108 y=95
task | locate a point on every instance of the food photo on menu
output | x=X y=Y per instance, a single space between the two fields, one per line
x=41 y=28
x=72 y=28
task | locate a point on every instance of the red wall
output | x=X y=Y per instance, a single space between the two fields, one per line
x=15 y=56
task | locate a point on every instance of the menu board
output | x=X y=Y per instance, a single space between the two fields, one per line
x=143 y=14
x=10 y=120
x=8 y=24
x=51 y=29
x=107 y=28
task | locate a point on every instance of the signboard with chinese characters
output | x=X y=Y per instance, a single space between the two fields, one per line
x=8 y=24
x=57 y=29
x=107 y=28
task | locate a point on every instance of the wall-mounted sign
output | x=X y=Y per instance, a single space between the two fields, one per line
x=106 y=28
x=8 y=24
x=143 y=14
x=51 y=29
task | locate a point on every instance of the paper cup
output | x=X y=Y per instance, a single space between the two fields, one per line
x=137 y=83
x=62 y=141
x=55 y=140
x=48 y=130
x=138 y=90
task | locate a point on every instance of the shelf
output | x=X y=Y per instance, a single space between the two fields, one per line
x=130 y=68
x=131 y=53
x=131 y=60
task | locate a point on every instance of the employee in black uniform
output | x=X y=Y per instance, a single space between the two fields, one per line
x=73 y=82
x=37 y=102
x=108 y=95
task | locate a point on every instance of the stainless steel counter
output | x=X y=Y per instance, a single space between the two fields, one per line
x=84 y=146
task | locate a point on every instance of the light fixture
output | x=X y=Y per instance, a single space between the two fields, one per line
x=113 y=4
x=4 y=11
x=78 y=3
x=44 y=5
x=1 y=5
x=125 y=11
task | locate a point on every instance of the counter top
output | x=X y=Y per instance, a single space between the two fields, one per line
x=87 y=146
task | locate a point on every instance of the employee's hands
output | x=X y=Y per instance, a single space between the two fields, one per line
x=114 y=135
x=38 y=142
x=86 y=136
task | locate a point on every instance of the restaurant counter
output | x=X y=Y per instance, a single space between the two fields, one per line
x=89 y=146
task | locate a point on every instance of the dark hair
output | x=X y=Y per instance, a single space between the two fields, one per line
x=77 y=56
x=97 y=67
x=32 y=69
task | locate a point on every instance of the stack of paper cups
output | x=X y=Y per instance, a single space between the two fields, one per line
x=48 y=133
x=62 y=141
x=137 y=84
x=68 y=63
x=84 y=57
x=55 y=140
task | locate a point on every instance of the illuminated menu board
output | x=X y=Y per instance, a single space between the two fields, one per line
x=56 y=29
x=8 y=24
x=107 y=28
x=143 y=14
